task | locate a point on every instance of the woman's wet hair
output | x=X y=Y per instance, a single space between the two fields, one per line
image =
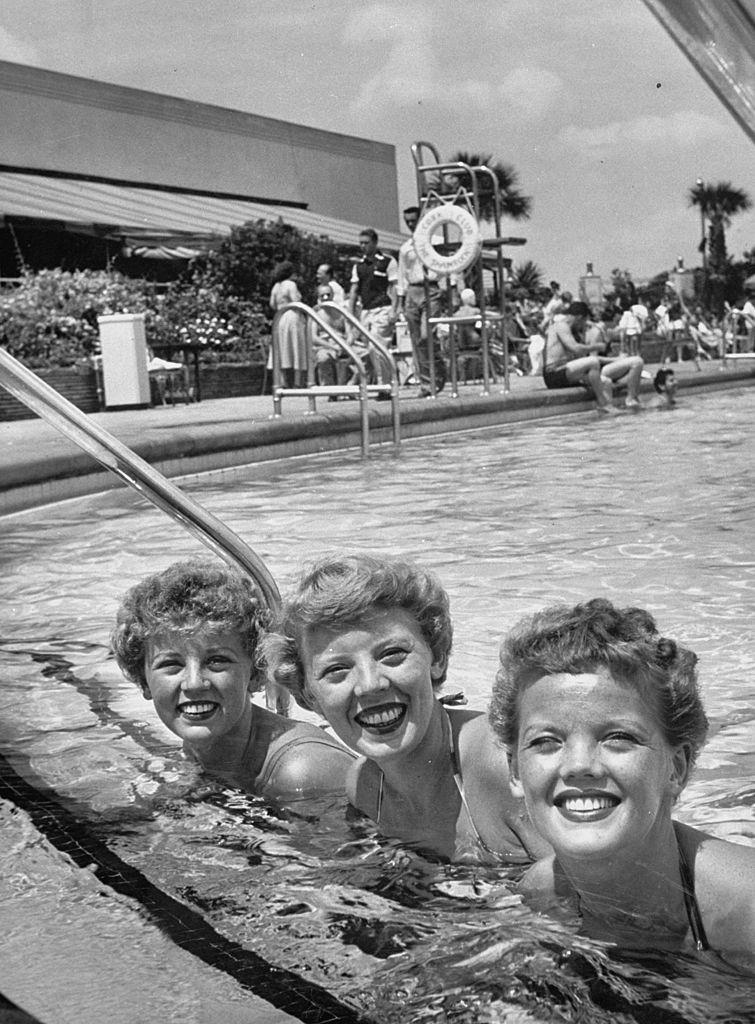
x=660 y=380
x=184 y=598
x=592 y=635
x=340 y=591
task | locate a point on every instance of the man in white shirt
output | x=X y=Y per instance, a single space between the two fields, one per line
x=418 y=292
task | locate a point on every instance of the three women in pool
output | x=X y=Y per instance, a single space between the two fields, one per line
x=603 y=722
x=188 y=637
x=365 y=641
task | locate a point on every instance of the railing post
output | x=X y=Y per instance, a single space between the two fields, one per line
x=275 y=354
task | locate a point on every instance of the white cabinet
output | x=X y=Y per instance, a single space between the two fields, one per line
x=125 y=379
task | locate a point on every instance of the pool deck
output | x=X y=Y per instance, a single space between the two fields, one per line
x=38 y=465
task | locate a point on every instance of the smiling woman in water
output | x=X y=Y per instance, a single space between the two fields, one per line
x=365 y=641
x=188 y=637
x=603 y=722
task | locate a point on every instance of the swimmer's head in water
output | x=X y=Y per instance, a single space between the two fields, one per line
x=184 y=598
x=664 y=381
x=339 y=591
x=594 y=635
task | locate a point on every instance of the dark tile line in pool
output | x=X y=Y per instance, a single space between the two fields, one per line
x=285 y=990
x=12 y=1014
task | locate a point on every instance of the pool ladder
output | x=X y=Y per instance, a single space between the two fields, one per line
x=361 y=391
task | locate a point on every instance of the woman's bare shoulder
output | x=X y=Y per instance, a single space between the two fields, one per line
x=724 y=883
x=304 y=760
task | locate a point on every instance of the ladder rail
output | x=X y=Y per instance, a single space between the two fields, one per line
x=386 y=354
x=311 y=391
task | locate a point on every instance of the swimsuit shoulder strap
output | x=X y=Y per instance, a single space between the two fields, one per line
x=690 y=902
x=455 y=765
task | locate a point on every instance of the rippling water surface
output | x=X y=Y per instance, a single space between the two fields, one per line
x=655 y=509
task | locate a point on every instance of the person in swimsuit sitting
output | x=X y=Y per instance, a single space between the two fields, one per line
x=603 y=722
x=568 y=362
x=365 y=641
x=188 y=636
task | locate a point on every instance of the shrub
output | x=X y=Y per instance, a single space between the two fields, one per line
x=50 y=319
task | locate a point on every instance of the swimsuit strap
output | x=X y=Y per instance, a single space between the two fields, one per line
x=690 y=902
x=380 y=797
x=447 y=727
x=460 y=787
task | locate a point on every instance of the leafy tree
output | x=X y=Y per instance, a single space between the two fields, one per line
x=513 y=203
x=718 y=204
x=527 y=277
x=244 y=262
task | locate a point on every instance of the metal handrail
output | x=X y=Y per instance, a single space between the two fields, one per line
x=731 y=319
x=115 y=456
x=311 y=390
x=387 y=355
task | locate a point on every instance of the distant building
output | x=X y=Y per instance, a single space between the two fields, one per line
x=139 y=168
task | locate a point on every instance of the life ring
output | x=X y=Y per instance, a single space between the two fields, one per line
x=471 y=239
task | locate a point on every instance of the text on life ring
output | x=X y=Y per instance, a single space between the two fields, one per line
x=431 y=225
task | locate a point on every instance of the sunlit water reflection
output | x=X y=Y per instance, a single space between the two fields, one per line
x=655 y=510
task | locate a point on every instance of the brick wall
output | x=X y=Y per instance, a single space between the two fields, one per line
x=79 y=387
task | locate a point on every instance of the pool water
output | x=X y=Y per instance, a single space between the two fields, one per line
x=653 y=509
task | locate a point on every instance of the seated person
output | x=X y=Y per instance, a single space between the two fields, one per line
x=568 y=362
x=603 y=722
x=468 y=334
x=365 y=641
x=708 y=339
x=187 y=636
x=331 y=362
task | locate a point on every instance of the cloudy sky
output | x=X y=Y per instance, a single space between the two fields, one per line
x=604 y=118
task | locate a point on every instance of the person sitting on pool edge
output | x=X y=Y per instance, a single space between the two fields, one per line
x=568 y=362
x=365 y=641
x=188 y=637
x=603 y=721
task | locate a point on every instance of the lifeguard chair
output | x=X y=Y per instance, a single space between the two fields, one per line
x=448 y=240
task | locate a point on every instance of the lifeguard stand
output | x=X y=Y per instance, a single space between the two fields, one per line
x=448 y=197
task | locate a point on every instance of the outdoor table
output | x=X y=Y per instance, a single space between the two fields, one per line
x=166 y=349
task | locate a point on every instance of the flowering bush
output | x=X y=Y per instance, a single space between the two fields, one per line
x=50 y=319
x=220 y=302
x=230 y=330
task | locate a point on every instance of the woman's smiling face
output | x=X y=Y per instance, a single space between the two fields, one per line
x=199 y=683
x=373 y=681
x=593 y=765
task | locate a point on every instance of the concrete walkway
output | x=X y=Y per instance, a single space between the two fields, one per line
x=39 y=465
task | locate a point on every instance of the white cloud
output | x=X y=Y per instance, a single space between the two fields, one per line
x=13 y=49
x=416 y=68
x=408 y=76
x=371 y=22
x=528 y=93
x=683 y=128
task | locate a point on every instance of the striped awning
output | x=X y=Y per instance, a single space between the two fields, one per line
x=143 y=216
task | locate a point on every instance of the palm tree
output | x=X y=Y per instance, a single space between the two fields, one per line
x=528 y=277
x=718 y=204
x=513 y=203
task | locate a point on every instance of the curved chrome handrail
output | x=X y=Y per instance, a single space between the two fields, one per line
x=117 y=457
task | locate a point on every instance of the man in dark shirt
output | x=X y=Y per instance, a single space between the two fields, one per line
x=373 y=284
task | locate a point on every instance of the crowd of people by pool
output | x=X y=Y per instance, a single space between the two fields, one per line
x=594 y=725
x=431 y=322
